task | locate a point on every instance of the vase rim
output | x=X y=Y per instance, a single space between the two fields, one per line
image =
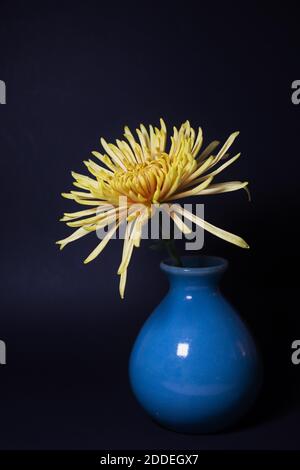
x=196 y=265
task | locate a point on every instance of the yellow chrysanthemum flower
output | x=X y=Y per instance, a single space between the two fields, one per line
x=146 y=173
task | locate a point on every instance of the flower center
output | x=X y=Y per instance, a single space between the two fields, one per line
x=140 y=181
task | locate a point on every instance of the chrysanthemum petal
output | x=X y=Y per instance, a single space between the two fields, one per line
x=226 y=146
x=229 y=237
x=86 y=202
x=180 y=224
x=144 y=146
x=134 y=145
x=82 y=194
x=200 y=170
x=81 y=232
x=220 y=169
x=192 y=192
x=85 y=181
x=75 y=215
x=127 y=249
x=101 y=245
x=198 y=142
x=207 y=152
x=98 y=171
x=226 y=187
x=109 y=216
x=127 y=151
x=116 y=159
x=122 y=284
x=106 y=160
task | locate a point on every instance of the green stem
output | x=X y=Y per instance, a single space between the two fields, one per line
x=169 y=245
x=172 y=252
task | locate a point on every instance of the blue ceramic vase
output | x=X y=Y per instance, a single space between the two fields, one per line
x=194 y=366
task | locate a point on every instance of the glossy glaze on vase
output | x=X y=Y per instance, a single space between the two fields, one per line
x=194 y=366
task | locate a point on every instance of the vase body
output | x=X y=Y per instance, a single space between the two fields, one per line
x=194 y=366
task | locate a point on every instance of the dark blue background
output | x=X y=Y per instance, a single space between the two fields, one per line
x=80 y=70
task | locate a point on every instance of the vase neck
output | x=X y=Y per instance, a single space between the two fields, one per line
x=196 y=272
